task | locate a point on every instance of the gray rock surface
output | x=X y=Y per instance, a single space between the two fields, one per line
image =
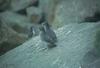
x=34 y=14
x=18 y=22
x=74 y=11
x=12 y=17
x=4 y=5
x=61 y=12
x=74 y=42
x=17 y=5
x=49 y=7
x=9 y=38
x=95 y=64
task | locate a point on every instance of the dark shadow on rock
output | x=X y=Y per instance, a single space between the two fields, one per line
x=93 y=19
x=19 y=29
x=9 y=38
x=92 y=58
x=36 y=4
x=22 y=12
x=97 y=41
x=6 y=46
x=4 y=5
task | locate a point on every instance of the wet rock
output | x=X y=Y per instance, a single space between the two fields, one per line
x=9 y=38
x=17 y=5
x=49 y=7
x=94 y=18
x=18 y=22
x=36 y=3
x=95 y=64
x=34 y=14
x=74 y=11
x=91 y=59
x=4 y=5
x=22 y=12
x=74 y=41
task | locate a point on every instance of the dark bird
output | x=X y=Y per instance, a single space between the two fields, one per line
x=48 y=35
x=33 y=31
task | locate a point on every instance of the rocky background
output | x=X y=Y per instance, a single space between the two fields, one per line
x=18 y=16
x=75 y=49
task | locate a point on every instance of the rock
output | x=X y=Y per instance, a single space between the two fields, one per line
x=74 y=11
x=36 y=3
x=9 y=39
x=49 y=7
x=17 y=5
x=34 y=14
x=95 y=64
x=4 y=5
x=19 y=23
x=91 y=59
x=22 y=12
x=95 y=18
x=74 y=42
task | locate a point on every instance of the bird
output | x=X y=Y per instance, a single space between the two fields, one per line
x=48 y=35
x=33 y=31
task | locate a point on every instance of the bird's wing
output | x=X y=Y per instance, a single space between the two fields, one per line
x=52 y=34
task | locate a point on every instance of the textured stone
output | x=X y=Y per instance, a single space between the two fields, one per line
x=74 y=42
x=74 y=11
x=9 y=38
x=4 y=5
x=17 y=5
x=34 y=14
x=18 y=22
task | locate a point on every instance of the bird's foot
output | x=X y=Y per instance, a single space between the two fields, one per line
x=51 y=45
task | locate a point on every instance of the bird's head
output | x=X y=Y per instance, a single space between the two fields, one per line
x=42 y=29
x=45 y=24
